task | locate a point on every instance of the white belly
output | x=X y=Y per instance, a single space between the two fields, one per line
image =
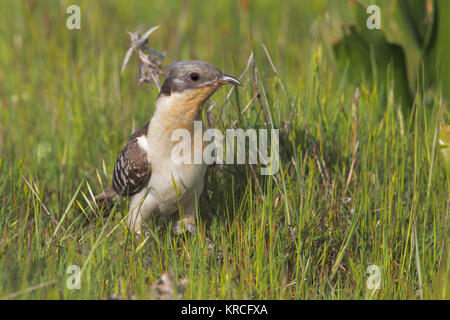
x=172 y=182
x=171 y=185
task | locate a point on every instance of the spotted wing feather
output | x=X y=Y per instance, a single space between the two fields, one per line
x=132 y=169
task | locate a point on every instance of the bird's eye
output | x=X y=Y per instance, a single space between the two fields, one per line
x=194 y=76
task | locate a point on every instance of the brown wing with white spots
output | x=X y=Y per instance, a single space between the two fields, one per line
x=132 y=169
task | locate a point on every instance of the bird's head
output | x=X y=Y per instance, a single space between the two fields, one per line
x=194 y=81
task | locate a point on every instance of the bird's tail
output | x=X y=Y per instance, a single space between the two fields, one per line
x=105 y=200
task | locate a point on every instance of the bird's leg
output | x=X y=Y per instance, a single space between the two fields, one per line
x=142 y=205
x=134 y=219
x=137 y=207
x=135 y=223
x=186 y=219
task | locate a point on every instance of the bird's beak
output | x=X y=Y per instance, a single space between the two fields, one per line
x=226 y=79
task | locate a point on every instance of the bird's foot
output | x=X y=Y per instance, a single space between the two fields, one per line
x=140 y=238
x=185 y=224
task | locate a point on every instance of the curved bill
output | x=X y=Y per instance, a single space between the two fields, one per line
x=229 y=79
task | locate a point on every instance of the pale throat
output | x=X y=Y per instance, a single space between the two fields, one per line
x=177 y=111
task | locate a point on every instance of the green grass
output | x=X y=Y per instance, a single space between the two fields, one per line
x=309 y=232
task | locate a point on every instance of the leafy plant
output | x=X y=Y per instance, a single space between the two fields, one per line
x=420 y=17
x=368 y=55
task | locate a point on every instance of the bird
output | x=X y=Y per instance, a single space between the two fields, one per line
x=144 y=170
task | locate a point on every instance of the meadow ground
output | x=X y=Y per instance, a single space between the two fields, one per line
x=360 y=182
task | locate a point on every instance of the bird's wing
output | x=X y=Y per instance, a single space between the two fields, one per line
x=132 y=169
